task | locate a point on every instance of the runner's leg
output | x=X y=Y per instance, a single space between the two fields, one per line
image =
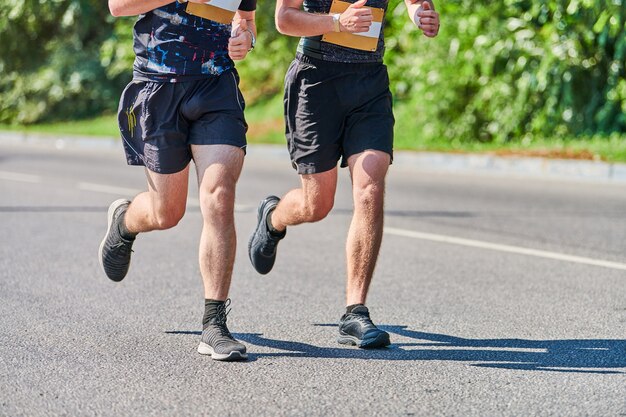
x=310 y=203
x=368 y=170
x=218 y=168
x=162 y=206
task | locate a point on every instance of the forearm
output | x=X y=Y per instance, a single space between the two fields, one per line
x=248 y=17
x=294 y=22
x=134 y=7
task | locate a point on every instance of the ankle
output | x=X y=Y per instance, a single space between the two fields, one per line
x=353 y=306
x=211 y=309
x=270 y=226
x=124 y=232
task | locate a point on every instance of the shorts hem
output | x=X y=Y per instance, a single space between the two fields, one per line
x=153 y=168
x=309 y=169
x=235 y=143
x=344 y=159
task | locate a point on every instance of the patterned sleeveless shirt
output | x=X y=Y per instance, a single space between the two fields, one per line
x=172 y=45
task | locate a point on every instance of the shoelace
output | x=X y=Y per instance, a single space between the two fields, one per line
x=220 y=318
x=363 y=319
x=121 y=244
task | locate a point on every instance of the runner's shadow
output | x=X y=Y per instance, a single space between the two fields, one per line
x=598 y=356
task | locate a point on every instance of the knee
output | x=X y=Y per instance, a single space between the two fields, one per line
x=218 y=203
x=318 y=209
x=369 y=195
x=168 y=217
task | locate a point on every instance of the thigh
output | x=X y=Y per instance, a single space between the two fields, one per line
x=217 y=166
x=319 y=188
x=168 y=192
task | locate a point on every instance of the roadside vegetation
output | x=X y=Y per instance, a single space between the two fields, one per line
x=511 y=77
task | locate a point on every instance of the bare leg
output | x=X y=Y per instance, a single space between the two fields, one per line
x=310 y=203
x=162 y=206
x=218 y=169
x=368 y=170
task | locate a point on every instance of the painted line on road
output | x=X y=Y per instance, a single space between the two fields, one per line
x=239 y=208
x=107 y=189
x=504 y=248
x=482 y=348
x=16 y=176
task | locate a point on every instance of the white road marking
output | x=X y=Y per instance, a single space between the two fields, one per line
x=239 y=208
x=16 y=176
x=485 y=348
x=107 y=189
x=504 y=248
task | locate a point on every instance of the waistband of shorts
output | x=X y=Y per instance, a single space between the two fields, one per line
x=365 y=66
x=172 y=78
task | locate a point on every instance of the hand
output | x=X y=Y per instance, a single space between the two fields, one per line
x=240 y=42
x=427 y=19
x=356 y=18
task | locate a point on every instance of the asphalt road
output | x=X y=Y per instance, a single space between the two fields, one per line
x=503 y=296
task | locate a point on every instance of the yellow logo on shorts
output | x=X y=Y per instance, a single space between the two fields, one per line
x=132 y=120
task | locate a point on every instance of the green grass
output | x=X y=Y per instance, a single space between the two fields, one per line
x=266 y=126
x=610 y=149
x=105 y=125
x=265 y=120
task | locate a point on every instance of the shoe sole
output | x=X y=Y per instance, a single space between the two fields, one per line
x=259 y=216
x=206 y=349
x=114 y=206
x=381 y=340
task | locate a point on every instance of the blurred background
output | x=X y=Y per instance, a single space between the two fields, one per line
x=522 y=77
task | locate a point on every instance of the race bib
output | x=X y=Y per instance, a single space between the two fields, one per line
x=221 y=11
x=365 y=41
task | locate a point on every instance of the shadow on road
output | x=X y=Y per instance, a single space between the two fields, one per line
x=598 y=356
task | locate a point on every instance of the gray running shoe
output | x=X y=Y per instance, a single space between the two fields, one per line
x=356 y=328
x=217 y=341
x=115 y=251
x=263 y=243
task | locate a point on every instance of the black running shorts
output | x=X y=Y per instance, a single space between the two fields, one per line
x=159 y=121
x=335 y=110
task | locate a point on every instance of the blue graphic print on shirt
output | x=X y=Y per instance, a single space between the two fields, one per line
x=171 y=45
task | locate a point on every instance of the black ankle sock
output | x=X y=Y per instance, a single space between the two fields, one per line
x=124 y=232
x=352 y=307
x=270 y=226
x=210 y=310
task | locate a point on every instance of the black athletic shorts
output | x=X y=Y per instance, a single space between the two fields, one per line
x=159 y=121
x=335 y=110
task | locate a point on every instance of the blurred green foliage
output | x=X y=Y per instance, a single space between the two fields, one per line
x=50 y=60
x=512 y=70
x=499 y=71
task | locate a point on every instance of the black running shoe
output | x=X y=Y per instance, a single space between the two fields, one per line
x=114 y=250
x=217 y=341
x=262 y=245
x=356 y=328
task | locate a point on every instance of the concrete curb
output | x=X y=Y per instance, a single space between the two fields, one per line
x=563 y=169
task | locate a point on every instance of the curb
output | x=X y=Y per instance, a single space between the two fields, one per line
x=541 y=168
x=563 y=169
